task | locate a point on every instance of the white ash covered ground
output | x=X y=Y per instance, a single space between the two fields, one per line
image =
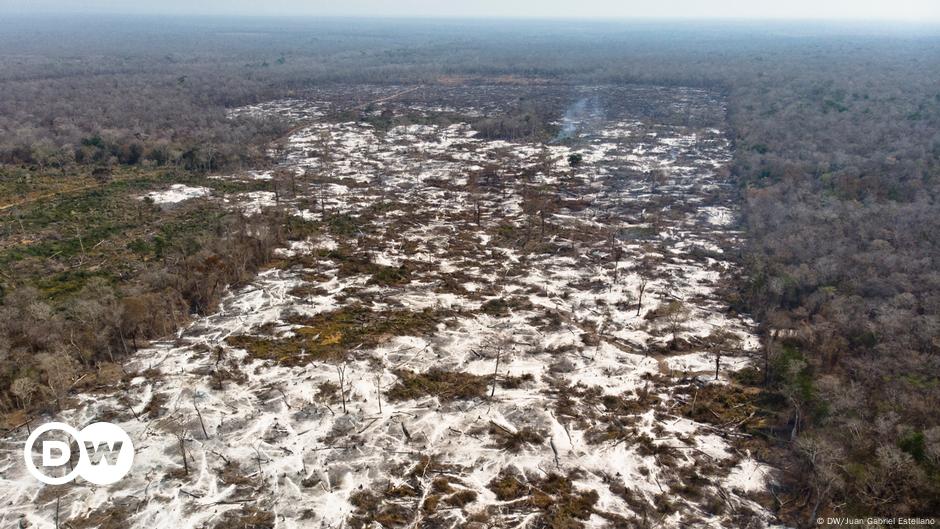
x=480 y=333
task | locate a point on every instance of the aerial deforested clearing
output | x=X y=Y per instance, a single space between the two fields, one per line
x=492 y=325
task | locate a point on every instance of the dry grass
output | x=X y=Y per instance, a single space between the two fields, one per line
x=554 y=498
x=248 y=517
x=114 y=517
x=723 y=405
x=447 y=386
x=398 y=505
x=328 y=337
x=515 y=441
x=154 y=408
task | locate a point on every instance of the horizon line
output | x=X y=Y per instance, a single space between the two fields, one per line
x=481 y=17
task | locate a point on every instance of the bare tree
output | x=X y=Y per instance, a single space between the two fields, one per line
x=639 y=301
x=180 y=433
x=341 y=372
x=199 y=415
x=499 y=354
x=722 y=341
x=23 y=389
x=501 y=341
x=676 y=314
x=378 y=389
x=60 y=371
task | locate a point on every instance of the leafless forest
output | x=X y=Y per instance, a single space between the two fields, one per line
x=463 y=274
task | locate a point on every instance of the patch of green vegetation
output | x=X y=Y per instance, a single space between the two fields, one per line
x=634 y=233
x=355 y=264
x=186 y=228
x=290 y=351
x=95 y=204
x=387 y=206
x=63 y=284
x=749 y=376
x=919 y=381
x=507 y=232
x=90 y=228
x=230 y=185
x=447 y=386
x=345 y=225
x=390 y=275
x=141 y=247
x=915 y=444
x=329 y=336
x=359 y=325
x=793 y=372
x=722 y=405
x=503 y=306
x=65 y=248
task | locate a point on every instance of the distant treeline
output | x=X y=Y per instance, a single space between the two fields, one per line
x=837 y=153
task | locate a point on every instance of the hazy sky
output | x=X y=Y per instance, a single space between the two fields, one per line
x=910 y=10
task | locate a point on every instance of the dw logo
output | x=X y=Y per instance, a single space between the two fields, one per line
x=106 y=453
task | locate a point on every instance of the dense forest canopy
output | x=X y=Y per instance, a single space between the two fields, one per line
x=165 y=85
x=837 y=155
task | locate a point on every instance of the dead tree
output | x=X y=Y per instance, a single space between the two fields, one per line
x=501 y=341
x=676 y=314
x=180 y=435
x=201 y=422
x=220 y=379
x=616 y=254
x=326 y=168
x=721 y=341
x=499 y=354
x=341 y=371
x=258 y=459
x=378 y=390
x=639 y=303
